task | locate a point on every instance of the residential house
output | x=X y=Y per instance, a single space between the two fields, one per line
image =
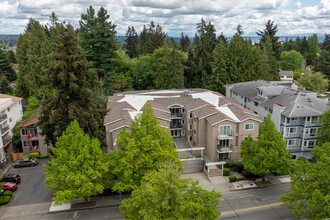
x=200 y=121
x=32 y=140
x=286 y=75
x=294 y=112
x=10 y=113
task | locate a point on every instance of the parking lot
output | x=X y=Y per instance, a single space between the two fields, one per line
x=32 y=188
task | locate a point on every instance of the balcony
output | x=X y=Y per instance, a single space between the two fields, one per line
x=6 y=141
x=34 y=149
x=3 y=118
x=4 y=129
x=229 y=135
x=33 y=136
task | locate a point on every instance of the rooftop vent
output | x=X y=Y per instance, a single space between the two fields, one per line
x=185 y=92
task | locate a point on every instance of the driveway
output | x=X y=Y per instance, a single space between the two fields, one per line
x=32 y=188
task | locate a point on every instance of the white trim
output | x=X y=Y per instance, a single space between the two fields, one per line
x=251 y=119
x=128 y=109
x=170 y=106
x=198 y=108
x=111 y=122
x=118 y=128
x=215 y=163
x=190 y=149
x=209 y=115
x=288 y=143
x=164 y=119
x=222 y=121
x=224 y=134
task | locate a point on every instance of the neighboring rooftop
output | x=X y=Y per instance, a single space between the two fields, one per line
x=32 y=120
x=203 y=103
x=285 y=73
x=14 y=98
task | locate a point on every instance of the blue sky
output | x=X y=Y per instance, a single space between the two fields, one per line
x=291 y=16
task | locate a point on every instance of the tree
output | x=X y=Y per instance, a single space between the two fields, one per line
x=184 y=42
x=97 y=39
x=168 y=73
x=142 y=148
x=6 y=69
x=324 y=130
x=309 y=187
x=239 y=30
x=164 y=194
x=131 y=43
x=313 y=44
x=322 y=63
x=303 y=46
x=271 y=64
x=291 y=60
x=76 y=167
x=223 y=39
x=155 y=37
x=4 y=86
x=12 y=57
x=267 y=154
x=270 y=30
x=72 y=95
x=313 y=81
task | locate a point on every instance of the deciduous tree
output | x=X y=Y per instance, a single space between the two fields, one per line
x=309 y=187
x=76 y=167
x=267 y=154
x=324 y=130
x=313 y=81
x=164 y=194
x=142 y=148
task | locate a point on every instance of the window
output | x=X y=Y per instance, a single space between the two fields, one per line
x=223 y=156
x=270 y=111
x=8 y=109
x=183 y=111
x=10 y=120
x=291 y=130
x=195 y=119
x=256 y=104
x=182 y=121
x=195 y=132
x=23 y=132
x=315 y=119
x=311 y=144
x=34 y=143
x=190 y=138
x=249 y=126
x=33 y=131
x=288 y=120
x=183 y=132
x=25 y=144
x=194 y=143
x=291 y=142
x=312 y=131
x=249 y=100
x=266 y=109
x=223 y=143
x=224 y=130
x=294 y=119
x=294 y=157
x=190 y=127
x=190 y=115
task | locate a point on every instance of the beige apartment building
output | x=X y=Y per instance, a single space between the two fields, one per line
x=200 y=121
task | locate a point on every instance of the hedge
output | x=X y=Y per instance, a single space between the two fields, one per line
x=34 y=155
x=7 y=193
x=232 y=178
x=236 y=166
x=4 y=200
x=226 y=171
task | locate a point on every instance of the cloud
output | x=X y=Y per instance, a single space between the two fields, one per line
x=297 y=5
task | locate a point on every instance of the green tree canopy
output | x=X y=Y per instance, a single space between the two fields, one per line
x=267 y=154
x=6 y=69
x=4 y=85
x=322 y=63
x=309 y=196
x=142 y=148
x=313 y=81
x=163 y=194
x=72 y=96
x=97 y=39
x=76 y=169
x=184 y=42
x=313 y=44
x=131 y=43
x=291 y=60
x=270 y=31
x=324 y=130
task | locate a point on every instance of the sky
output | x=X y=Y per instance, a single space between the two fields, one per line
x=291 y=16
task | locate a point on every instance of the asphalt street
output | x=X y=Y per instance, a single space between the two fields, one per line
x=32 y=188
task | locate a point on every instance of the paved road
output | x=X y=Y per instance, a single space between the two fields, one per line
x=32 y=188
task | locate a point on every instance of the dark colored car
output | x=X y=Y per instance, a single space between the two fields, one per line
x=9 y=186
x=14 y=178
x=26 y=162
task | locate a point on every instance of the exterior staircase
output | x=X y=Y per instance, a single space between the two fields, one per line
x=215 y=172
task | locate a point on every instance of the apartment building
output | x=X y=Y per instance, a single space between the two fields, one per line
x=295 y=112
x=32 y=140
x=197 y=119
x=10 y=113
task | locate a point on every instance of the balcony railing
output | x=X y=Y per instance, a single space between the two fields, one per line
x=4 y=129
x=226 y=136
x=3 y=118
x=176 y=115
x=32 y=135
x=34 y=149
x=6 y=141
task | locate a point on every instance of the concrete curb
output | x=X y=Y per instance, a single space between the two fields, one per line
x=76 y=209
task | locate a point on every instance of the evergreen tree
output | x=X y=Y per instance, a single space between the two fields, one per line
x=97 y=39
x=324 y=130
x=76 y=167
x=143 y=147
x=6 y=69
x=156 y=37
x=131 y=43
x=4 y=85
x=303 y=46
x=313 y=44
x=322 y=63
x=184 y=42
x=12 y=56
x=287 y=44
x=268 y=154
x=164 y=194
x=239 y=30
x=72 y=95
x=223 y=39
x=308 y=197
x=270 y=30
x=271 y=64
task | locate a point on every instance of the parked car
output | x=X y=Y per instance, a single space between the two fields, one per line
x=9 y=186
x=26 y=162
x=14 y=178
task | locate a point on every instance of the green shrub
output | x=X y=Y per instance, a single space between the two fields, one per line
x=35 y=155
x=236 y=166
x=7 y=193
x=226 y=171
x=44 y=156
x=232 y=178
x=4 y=200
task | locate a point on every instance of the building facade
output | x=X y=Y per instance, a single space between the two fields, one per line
x=32 y=140
x=196 y=118
x=10 y=113
x=294 y=112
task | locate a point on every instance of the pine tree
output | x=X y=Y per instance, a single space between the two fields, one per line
x=239 y=30
x=4 y=85
x=131 y=43
x=271 y=30
x=6 y=69
x=271 y=64
x=184 y=42
x=223 y=39
x=303 y=46
x=97 y=39
x=72 y=95
x=322 y=63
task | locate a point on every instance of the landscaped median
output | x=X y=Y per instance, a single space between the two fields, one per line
x=5 y=197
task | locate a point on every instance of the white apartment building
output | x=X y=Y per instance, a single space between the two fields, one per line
x=10 y=112
x=294 y=112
